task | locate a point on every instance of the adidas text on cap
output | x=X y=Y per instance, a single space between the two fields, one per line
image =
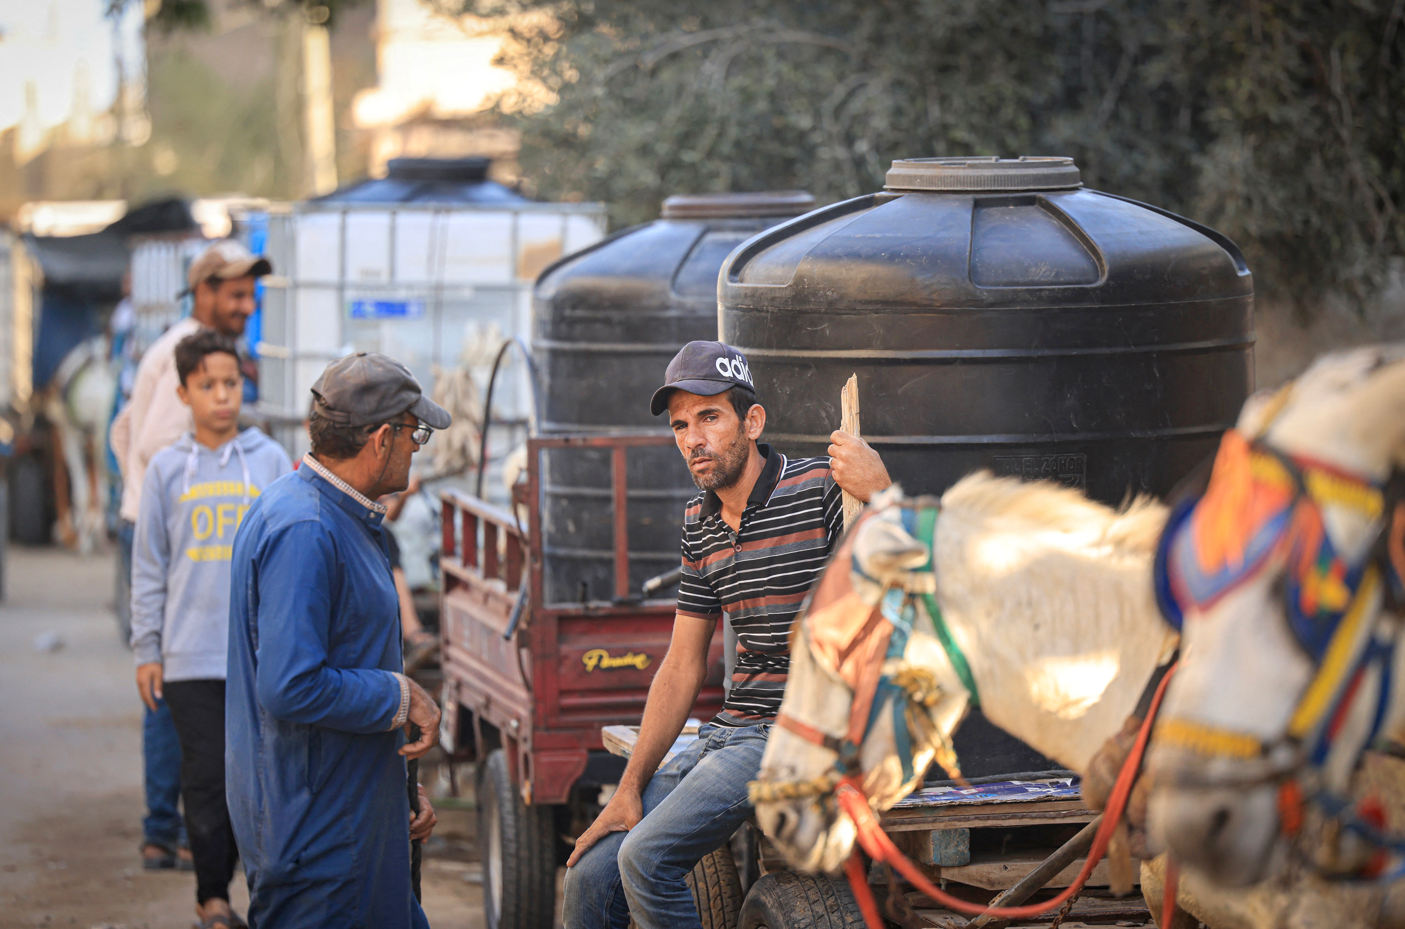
x=705 y=369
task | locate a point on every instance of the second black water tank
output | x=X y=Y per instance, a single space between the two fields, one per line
x=607 y=320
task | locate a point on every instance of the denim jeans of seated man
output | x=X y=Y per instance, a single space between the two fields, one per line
x=692 y=805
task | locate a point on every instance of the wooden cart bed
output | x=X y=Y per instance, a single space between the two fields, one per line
x=931 y=810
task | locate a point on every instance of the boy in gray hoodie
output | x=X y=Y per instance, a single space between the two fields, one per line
x=194 y=496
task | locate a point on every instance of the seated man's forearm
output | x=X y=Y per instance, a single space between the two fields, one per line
x=671 y=697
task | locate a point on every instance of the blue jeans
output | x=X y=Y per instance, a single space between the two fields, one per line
x=161 y=758
x=692 y=805
x=160 y=747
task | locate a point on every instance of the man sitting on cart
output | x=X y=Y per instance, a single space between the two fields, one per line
x=754 y=541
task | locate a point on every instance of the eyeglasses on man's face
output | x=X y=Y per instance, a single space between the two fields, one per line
x=421 y=434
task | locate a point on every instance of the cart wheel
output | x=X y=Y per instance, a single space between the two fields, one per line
x=27 y=523
x=717 y=889
x=721 y=897
x=516 y=843
x=793 y=900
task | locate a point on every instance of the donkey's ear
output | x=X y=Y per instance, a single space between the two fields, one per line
x=886 y=551
x=889 y=495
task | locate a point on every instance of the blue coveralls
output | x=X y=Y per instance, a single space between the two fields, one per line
x=315 y=782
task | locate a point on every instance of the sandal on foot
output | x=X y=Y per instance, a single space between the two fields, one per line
x=165 y=861
x=185 y=861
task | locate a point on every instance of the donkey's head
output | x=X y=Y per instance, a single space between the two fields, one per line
x=1277 y=572
x=870 y=692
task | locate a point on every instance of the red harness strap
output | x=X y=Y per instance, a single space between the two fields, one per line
x=881 y=848
x=807 y=732
x=863 y=658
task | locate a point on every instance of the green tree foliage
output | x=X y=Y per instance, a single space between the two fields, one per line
x=178 y=15
x=232 y=146
x=1276 y=121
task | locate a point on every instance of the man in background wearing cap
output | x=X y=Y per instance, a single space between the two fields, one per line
x=754 y=541
x=221 y=283
x=315 y=701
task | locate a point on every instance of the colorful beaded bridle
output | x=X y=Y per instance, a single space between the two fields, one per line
x=1262 y=512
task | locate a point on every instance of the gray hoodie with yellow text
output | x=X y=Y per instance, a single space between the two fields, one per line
x=192 y=502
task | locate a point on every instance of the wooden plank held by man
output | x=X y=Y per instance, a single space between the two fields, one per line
x=849 y=422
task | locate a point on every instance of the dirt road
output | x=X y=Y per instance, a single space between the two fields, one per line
x=70 y=770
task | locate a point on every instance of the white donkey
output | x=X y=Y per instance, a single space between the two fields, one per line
x=78 y=402
x=1048 y=601
x=1292 y=666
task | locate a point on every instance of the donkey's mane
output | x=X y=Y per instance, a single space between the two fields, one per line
x=1330 y=374
x=1044 y=506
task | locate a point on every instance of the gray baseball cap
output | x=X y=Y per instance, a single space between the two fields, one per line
x=705 y=369
x=368 y=388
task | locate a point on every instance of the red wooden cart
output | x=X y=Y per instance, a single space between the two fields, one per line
x=528 y=685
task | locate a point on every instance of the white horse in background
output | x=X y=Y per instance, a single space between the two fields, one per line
x=1252 y=701
x=78 y=402
x=1049 y=597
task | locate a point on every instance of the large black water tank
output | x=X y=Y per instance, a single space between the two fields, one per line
x=999 y=316
x=607 y=321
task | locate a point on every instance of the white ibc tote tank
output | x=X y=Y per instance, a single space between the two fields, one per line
x=432 y=265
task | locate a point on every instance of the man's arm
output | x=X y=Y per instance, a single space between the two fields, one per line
x=134 y=414
x=856 y=466
x=119 y=438
x=671 y=697
x=294 y=681
x=164 y=420
x=151 y=560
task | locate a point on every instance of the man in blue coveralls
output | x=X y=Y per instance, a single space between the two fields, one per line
x=315 y=705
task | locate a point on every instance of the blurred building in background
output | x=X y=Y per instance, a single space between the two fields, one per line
x=277 y=99
x=72 y=83
x=435 y=83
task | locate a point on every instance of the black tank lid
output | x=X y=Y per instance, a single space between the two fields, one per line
x=738 y=205
x=985 y=173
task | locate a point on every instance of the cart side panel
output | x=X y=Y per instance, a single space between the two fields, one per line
x=547 y=676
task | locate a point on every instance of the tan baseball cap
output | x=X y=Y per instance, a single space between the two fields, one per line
x=226 y=260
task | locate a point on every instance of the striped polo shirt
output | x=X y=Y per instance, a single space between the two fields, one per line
x=759 y=575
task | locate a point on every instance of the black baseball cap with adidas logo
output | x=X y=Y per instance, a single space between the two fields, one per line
x=705 y=369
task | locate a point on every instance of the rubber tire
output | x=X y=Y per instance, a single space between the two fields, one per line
x=527 y=852
x=795 y=900
x=717 y=889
